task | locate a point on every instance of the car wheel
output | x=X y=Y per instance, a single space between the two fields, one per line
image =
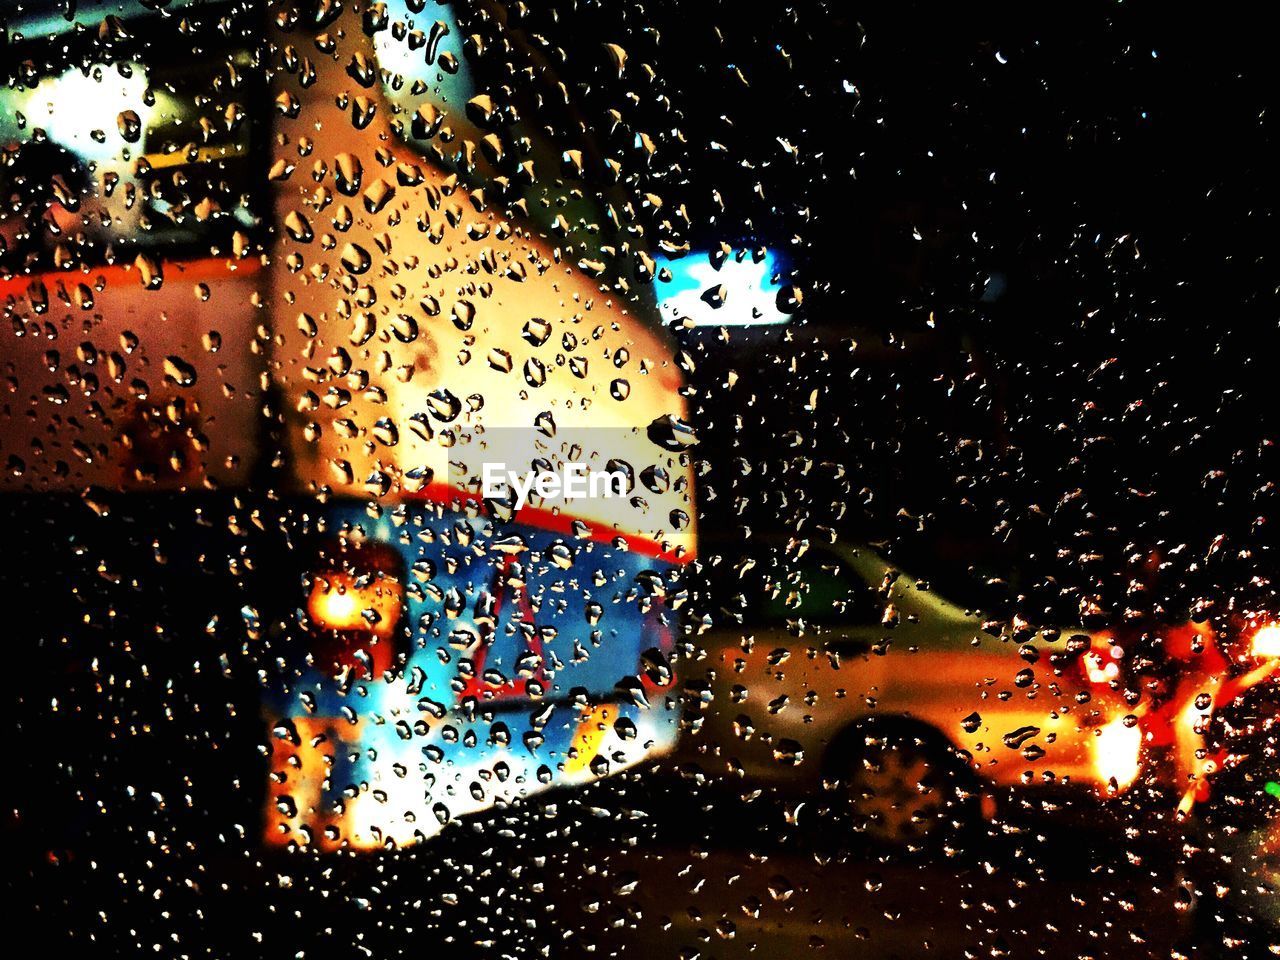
x=905 y=788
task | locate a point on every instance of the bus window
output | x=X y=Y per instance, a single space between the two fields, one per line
x=150 y=150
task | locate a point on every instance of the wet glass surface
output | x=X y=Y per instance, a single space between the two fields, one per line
x=622 y=480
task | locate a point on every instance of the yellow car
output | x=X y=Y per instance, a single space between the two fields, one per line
x=825 y=664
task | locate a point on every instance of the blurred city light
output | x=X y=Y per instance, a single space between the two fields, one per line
x=739 y=293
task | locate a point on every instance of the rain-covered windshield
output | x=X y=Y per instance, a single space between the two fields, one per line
x=576 y=479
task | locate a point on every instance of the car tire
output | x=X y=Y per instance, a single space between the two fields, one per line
x=904 y=786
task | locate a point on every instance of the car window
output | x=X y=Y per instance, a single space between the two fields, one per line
x=819 y=589
x=765 y=586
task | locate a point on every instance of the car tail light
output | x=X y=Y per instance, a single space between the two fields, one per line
x=1263 y=648
x=1101 y=664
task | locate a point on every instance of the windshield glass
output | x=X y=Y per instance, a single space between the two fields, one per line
x=628 y=479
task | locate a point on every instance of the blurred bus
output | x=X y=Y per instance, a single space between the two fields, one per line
x=317 y=266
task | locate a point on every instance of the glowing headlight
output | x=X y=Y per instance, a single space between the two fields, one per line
x=1116 y=753
x=341 y=601
x=1266 y=642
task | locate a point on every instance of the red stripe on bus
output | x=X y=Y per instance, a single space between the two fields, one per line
x=206 y=268
x=553 y=521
